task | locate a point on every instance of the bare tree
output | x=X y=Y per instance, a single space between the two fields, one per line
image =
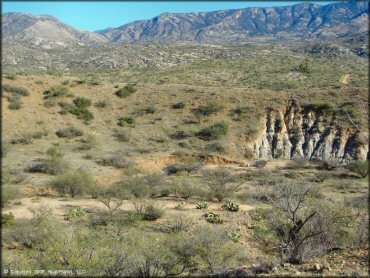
x=222 y=183
x=139 y=188
x=305 y=227
x=190 y=165
x=112 y=197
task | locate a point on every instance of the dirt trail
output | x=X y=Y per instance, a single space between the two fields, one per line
x=59 y=206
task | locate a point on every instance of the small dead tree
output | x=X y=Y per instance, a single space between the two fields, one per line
x=112 y=197
x=222 y=183
x=305 y=227
x=190 y=165
x=139 y=188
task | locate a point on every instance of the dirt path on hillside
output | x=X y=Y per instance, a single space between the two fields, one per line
x=60 y=206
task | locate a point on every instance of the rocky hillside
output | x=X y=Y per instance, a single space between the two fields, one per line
x=311 y=132
x=302 y=21
x=43 y=28
x=296 y=22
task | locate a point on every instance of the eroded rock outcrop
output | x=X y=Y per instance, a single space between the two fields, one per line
x=310 y=133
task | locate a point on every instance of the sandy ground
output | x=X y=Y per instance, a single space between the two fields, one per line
x=345 y=79
x=60 y=206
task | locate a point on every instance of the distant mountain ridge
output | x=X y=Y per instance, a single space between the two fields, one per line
x=301 y=21
x=38 y=28
x=297 y=22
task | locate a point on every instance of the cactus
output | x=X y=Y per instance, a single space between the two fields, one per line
x=213 y=218
x=231 y=206
x=201 y=205
x=234 y=236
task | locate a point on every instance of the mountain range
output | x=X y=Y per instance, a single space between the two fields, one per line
x=304 y=21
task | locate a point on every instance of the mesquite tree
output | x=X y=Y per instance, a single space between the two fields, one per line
x=304 y=225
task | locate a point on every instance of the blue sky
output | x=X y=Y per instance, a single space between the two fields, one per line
x=92 y=16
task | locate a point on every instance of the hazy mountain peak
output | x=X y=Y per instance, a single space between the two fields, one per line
x=28 y=27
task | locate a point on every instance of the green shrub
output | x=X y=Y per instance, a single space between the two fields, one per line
x=66 y=107
x=136 y=187
x=18 y=176
x=69 y=132
x=231 y=206
x=117 y=161
x=188 y=165
x=211 y=251
x=165 y=192
x=50 y=103
x=56 y=91
x=20 y=91
x=179 y=207
x=94 y=82
x=6 y=176
x=215 y=147
x=121 y=135
x=26 y=138
x=322 y=176
x=152 y=213
x=241 y=112
x=89 y=142
x=73 y=183
x=185 y=190
x=184 y=133
x=65 y=82
x=8 y=194
x=260 y=164
x=214 y=218
x=7 y=219
x=74 y=213
x=126 y=91
x=214 y=132
x=179 y=105
x=82 y=114
x=221 y=183
x=319 y=107
x=209 y=109
x=298 y=163
x=81 y=102
x=149 y=110
x=15 y=105
x=54 y=152
x=234 y=236
x=178 y=223
x=4 y=149
x=201 y=205
x=11 y=76
x=100 y=218
x=303 y=68
x=125 y=120
x=360 y=167
x=53 y=164
x=101 y=104
x=173 y=169
x=78 y=108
